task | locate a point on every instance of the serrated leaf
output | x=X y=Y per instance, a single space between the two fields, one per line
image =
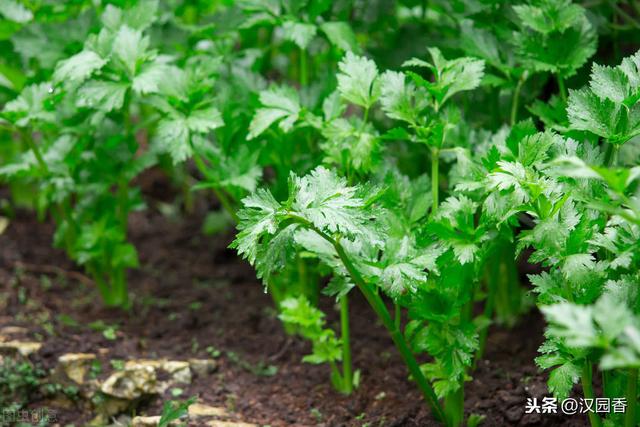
x=401 y=100
x=559 y=52
x=300 y=33
x=102 y=95
x=173 y=138
x=30 y=105
x=341 y=35
x=129 y=48
x=562 y=379
x=149 y=79
x=281 y=103
x=357 y=80
x=550 y=16
x=451 y=76
x=79 y=67
x=571 y=322
x=204 y=120
x=15 y=11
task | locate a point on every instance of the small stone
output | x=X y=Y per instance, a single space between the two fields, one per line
x=514 y=414
x=23 y=348
x=200 y=410
x=145 y=421
x=180 y=371
x=13 y=330
x=143 y=362
x=531 y=419
x=108 y=407
x=151 y=421
x=537 y=389
x=216 y=423
x=510 y=397
x=203 y=367
x=131 y=383
x=76 y=365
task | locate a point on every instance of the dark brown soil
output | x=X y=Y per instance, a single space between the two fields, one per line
x=192 y=293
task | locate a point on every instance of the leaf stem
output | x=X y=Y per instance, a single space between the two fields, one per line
x=488 y=314
x=516 y=98
x=64 y=212
x=304 y=72
x=624 y=15
x=226 y=203
x=381 y=310
x=347 y=369
x=632 y=394
x=587 y=390
x=376 y=303
x=454 y=406
x=612 y=154
x=561 y=87
x=123 y=201
x=398 y=315
x=435 y=164
x=36 y=152
x=222 y=198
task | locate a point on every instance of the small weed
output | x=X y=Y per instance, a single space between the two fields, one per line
x=109 y=331
x=195 y=306
x=117 y=364
x=67 y=320
x=173 y=411
x=260 y=369
x=315 y=412
x=95 y=370
x=18 y=381
x=213 y=352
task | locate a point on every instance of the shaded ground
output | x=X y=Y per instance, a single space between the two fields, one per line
x=194 y=298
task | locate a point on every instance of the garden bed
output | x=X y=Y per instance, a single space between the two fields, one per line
x=193 y=298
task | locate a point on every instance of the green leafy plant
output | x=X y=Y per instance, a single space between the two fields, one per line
x=173 y=411
x=309 y=322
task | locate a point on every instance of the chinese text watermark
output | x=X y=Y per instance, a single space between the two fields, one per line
x=571 y=406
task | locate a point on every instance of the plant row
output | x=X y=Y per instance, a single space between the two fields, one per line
x=418 y=153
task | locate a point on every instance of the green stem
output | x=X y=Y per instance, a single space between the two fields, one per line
x=102 y=285
x=398 y=315
x=226 y=204
x=482 y=340
x=377 y=304
x=64 y=211
x=587 y=390
x=302 y=274
x=36 y=152
x=435 y=164
x=123 y=201
x=347 y=369
x=562 y=88
x=222 y=198
x=612 y=154
x=365 y=117
x=454 y=407
x=381 y=310
x=304 y=72
x=632 y=395
x=516 y=99
x=120 y=296
x=624 y=15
